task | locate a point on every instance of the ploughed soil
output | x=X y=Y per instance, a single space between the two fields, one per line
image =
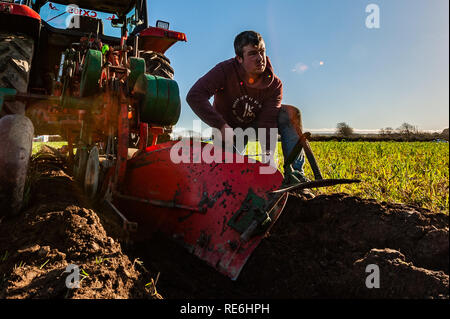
x=331 y=246
x=59 y=228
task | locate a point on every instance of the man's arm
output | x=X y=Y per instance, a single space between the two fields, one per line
x=199 y=95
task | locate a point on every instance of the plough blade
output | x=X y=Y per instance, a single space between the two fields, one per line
x=315 y=184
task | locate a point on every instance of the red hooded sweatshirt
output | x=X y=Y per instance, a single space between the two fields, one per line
x=235 y=103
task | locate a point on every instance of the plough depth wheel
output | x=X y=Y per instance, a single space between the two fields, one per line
x=79 y=166
x=92 y=173
x=16 y=137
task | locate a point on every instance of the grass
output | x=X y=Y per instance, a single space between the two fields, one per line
x=4 y=257
x=415 y=173
x=37 y=145
x=42 y=266
x=84 y=275
x=99 y=260
x=21 y=264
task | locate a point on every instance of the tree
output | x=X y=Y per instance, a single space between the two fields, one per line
x=408 y=129
x=343 y=129
x=444 y=134
x=387 y=131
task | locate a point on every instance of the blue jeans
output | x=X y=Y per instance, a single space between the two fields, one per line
x=290 y=129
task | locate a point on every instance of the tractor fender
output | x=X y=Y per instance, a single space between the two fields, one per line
x=20 y=18
x=159 y=40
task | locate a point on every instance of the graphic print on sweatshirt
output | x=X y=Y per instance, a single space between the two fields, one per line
x=245 y=108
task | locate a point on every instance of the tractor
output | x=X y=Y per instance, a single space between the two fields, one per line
x=111 y=98
x=48 y=72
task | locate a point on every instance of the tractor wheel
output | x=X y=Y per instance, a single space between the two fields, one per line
x=16 y=53
x=92 y=173
x=157 y=64
x=16 y=131
x=16 y=139
x=79 y=166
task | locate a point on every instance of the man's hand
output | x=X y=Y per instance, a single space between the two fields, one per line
x=227 y=135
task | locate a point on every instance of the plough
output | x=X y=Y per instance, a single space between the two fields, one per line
x=111 y=108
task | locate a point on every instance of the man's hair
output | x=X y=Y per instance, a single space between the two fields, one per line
x=246 y=38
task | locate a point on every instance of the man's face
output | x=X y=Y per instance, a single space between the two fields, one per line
x=254 y=59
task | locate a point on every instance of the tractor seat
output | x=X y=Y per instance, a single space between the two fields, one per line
x=91 y=25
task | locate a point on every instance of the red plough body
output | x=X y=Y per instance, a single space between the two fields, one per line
x=193 y=202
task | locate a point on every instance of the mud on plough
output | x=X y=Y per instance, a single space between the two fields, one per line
x=108 y=107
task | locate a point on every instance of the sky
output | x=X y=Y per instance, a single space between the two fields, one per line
x=332 y=66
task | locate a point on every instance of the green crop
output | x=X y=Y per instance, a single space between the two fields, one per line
x=37 y=145
x=413 y=173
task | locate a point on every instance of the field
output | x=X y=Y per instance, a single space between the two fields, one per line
x=413 y=173
x=37 y=145
x=319 y=248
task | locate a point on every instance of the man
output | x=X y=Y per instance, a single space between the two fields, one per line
x=247 y=93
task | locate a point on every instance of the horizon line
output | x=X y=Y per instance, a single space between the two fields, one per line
x=207 y=131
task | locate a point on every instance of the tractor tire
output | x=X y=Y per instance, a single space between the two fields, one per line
x=80 y=162
x=16 y=53
x=157 y=64
x=16 y=130
x=16 y=140
x=92 y=174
